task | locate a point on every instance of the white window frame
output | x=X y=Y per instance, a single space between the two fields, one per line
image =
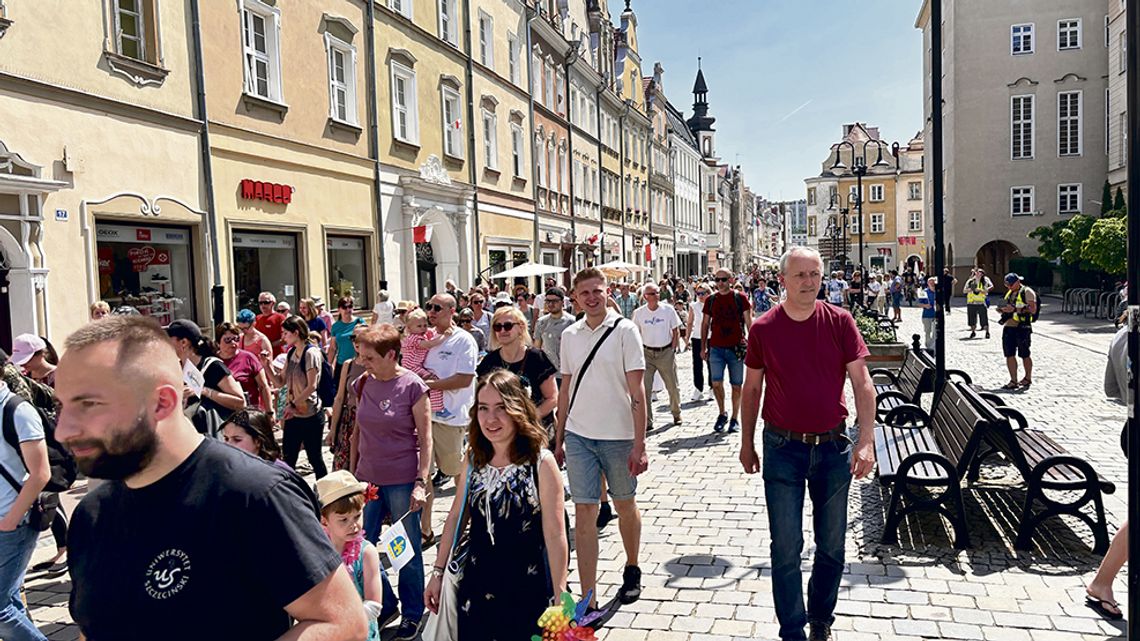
x=490 y=140
x=272 y=54
x=811 y=196
x=410 y=110
x=1071 y=121
x=911 y=192
x=402 y=7
x=878 y=223
x=854 y=222
x=914 y=220
x=513 y=58
x=452 y=136
x=518 y=150
x=448 y=29
x=486 y=37
x=1067 y=193
x=877 y=194
x=1027 y=29
x=540 y=159
x=1031 y=122
x=1074 y=30
x=1022 y=192
x=140 y=39
x=333 y=46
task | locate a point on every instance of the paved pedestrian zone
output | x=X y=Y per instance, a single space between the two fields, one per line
x=705 y=532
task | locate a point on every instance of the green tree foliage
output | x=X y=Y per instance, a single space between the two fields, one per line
x=1118 y=203
x=1105 y=199
x=1105 y=246
x=1073 y=238
x=1049 y=237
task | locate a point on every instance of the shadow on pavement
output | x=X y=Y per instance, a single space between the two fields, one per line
x=702 y=441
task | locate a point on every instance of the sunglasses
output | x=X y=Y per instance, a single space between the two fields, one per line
x=401 y=312
x=435 y=308
x=650 y=294
x=233 y=340
x=476 y=302
x=553 y=301
x=465 y=321
x=264 y=302
x=503 y=327
x=723 y=280
x=346 y=306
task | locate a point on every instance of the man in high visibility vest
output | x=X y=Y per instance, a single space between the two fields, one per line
x=977 y=293
x=1018 y=313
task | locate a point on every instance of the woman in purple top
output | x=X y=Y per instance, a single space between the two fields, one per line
x=391 y=449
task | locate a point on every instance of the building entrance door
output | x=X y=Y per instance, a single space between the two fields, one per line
x=426 y=283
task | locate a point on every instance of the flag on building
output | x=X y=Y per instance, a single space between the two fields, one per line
x=650 y=252
x=421 y=234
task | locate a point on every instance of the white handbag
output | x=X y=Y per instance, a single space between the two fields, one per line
x=444 y=626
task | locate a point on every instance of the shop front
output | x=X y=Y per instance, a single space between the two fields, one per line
x=264 y=262
x=147 y=267
x=348 y=269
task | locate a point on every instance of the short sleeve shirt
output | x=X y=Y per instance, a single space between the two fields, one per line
x=29 y=428
x=297 y=377
x=725 y=312
x=342 y=334
x=550 y=329
x=245 y=367
x=804 y=365
x=602 y=409
x=214 y=371
x=270 y=325
x=389 y=442
x=656 y=325
x=222 y=527
x=456 y=355
x=533 y=369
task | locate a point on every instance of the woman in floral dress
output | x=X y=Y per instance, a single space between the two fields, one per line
x=517 y=552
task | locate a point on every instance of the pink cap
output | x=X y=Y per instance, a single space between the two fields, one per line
x=25 y=346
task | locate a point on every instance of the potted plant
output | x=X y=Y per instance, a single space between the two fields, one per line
x=881 y=339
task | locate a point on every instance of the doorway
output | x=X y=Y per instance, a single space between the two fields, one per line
x=426 y=283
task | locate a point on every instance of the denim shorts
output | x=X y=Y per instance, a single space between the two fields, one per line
x=587 y=459
x=721 y=357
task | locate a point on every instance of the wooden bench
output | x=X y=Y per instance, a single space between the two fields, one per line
x=914 y=378
x=1044 y=465
x=914 y=449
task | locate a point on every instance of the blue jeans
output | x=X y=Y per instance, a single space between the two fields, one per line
x=394 y=501
x=719 y=359
x=16 y=549
x=826 y=471
x=588 y=458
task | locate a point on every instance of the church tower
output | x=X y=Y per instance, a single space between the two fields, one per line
x=701 y=124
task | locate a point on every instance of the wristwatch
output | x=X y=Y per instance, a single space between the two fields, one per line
x=437 y=571
x=420 y=480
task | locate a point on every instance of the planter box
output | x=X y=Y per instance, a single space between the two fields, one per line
x=886 y=355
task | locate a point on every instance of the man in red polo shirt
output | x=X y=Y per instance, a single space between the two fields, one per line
x=804 y=349
x=268 y=322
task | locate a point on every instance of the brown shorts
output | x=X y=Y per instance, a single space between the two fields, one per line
x=447 y=447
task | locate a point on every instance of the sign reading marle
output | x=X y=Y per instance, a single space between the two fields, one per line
x=272 y=192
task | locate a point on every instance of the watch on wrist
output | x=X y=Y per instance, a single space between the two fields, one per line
x=421 y=480
x=437 y=571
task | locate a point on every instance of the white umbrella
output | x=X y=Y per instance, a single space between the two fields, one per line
x=620 y=268
x=526 y=270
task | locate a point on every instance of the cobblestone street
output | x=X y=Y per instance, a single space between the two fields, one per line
x=705 y=540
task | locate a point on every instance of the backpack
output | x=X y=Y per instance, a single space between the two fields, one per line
x=60 y=461
x=326 y=384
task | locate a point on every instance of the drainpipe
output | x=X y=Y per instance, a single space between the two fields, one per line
x=472 y=170
x=217 y=292
x=374 y=131
x=531 y=14
x=571 y=58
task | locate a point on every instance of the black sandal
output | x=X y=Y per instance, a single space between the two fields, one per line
x=1101 y=606
x=1010 y=386
x=429 y=539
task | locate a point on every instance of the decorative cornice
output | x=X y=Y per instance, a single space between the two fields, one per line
x=1068 y=76
x=1023 y=80
x=137 y=71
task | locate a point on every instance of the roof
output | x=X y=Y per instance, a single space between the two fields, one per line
x=699 y=86
x=678 y=126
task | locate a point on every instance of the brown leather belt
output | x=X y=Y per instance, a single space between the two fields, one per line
x=658 y=349
x=809 y=438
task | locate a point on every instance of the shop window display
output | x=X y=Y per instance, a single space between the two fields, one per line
x=348 y=275
x=265 y=263
x=148 y=268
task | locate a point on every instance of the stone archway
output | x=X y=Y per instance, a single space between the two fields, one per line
x=994 y=257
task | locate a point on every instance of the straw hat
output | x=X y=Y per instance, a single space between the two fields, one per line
x=337 y=485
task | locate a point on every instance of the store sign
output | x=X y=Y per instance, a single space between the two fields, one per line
x=356 y=244
x=272 y=192
x=130 y=234
x=265 y=241
x=143 y=257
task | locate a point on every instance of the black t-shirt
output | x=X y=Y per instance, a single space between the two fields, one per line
x=214 y=550
x=534 y=369
x=215 y=371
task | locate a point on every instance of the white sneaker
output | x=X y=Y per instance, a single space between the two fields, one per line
x=697 y=396
x=653 y=397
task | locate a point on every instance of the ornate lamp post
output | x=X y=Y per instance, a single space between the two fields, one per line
x=859 y=168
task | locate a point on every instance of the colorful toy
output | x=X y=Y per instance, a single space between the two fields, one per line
x=560 y=622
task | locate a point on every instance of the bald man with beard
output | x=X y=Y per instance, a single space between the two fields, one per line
x=188 y=538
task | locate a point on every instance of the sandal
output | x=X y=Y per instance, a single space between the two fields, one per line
x=1025 y=383
x=429 y=540
x=1101 y=606
x=1010 y=386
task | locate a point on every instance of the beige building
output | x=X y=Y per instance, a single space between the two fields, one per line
x=661 y=187
x=1117 y=98
x=911 y=217
x=100 y=165
x=1024 y=122
x=635 y=132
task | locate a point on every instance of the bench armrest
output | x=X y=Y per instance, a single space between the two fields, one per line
x=992 y=399
x=886 y=373
x=881 y=411
x=960 y=374
x=907 y=415
x=1014 y=416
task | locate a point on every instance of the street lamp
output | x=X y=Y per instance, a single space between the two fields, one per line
x=859 y=168
x=835 y=231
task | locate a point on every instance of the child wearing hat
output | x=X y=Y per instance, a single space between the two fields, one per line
x=342 y=499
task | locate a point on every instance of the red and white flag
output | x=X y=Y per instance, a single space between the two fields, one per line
x=650 y=252
x=421 y=234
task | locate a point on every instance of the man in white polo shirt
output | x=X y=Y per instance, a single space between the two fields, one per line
x=601 y=427
x=661 y=334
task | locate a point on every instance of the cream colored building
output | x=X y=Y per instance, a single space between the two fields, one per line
x=100 y=165
x=1117 y=98
x=635 y=135
x=911 y=216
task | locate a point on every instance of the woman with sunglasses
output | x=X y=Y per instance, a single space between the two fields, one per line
x=343 y=328
x=511 y=350
x=246 y=368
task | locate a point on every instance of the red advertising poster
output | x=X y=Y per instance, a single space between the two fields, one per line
x=106 y=260
x=141 y=257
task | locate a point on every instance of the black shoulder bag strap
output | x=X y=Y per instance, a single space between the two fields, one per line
x=586 y=365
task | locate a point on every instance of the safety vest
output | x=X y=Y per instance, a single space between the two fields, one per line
x=1024 y=317
x=976 y=295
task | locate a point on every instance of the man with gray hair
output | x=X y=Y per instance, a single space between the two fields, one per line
x=660 y=328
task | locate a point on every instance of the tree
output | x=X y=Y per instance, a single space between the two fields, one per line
x=1049 y=237
x=1105 y=246
x=1118 y=203
x=1106 y=199
x=1073 y=238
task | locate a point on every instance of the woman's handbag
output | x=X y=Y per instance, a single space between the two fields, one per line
x=444 y=626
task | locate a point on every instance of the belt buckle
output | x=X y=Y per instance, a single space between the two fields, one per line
x=814 y=440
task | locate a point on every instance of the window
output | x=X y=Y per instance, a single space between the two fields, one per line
x=878 y=223
x=1068 y=34
x=448 y=31
x=877 y=194
x=1069 y=123
x=486 y=40
x=811 y=196
x=348 y=274
x=513 y=58
x=914 y=222
x=1021 y=39
x=452 y=123
x=404 y=124
x=914 y=190
x=1123 y=51
x=832 y=194
x=536 y=76
x=260 y=31
x=1069 y=199
x=1021 y=201
x=402 y=7
x=540 y=158
x=517 y=150
x=342 y=80
x=490 y=141
x=1022 y=127
x=136 y=33
x=811 y=226
x=854 y=223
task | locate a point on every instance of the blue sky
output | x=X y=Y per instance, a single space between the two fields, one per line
x=834 y=61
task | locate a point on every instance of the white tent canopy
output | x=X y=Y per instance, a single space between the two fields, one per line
x=526 y=270
x=620 y=269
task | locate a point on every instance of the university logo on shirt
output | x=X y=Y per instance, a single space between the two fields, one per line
x=167 y=574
